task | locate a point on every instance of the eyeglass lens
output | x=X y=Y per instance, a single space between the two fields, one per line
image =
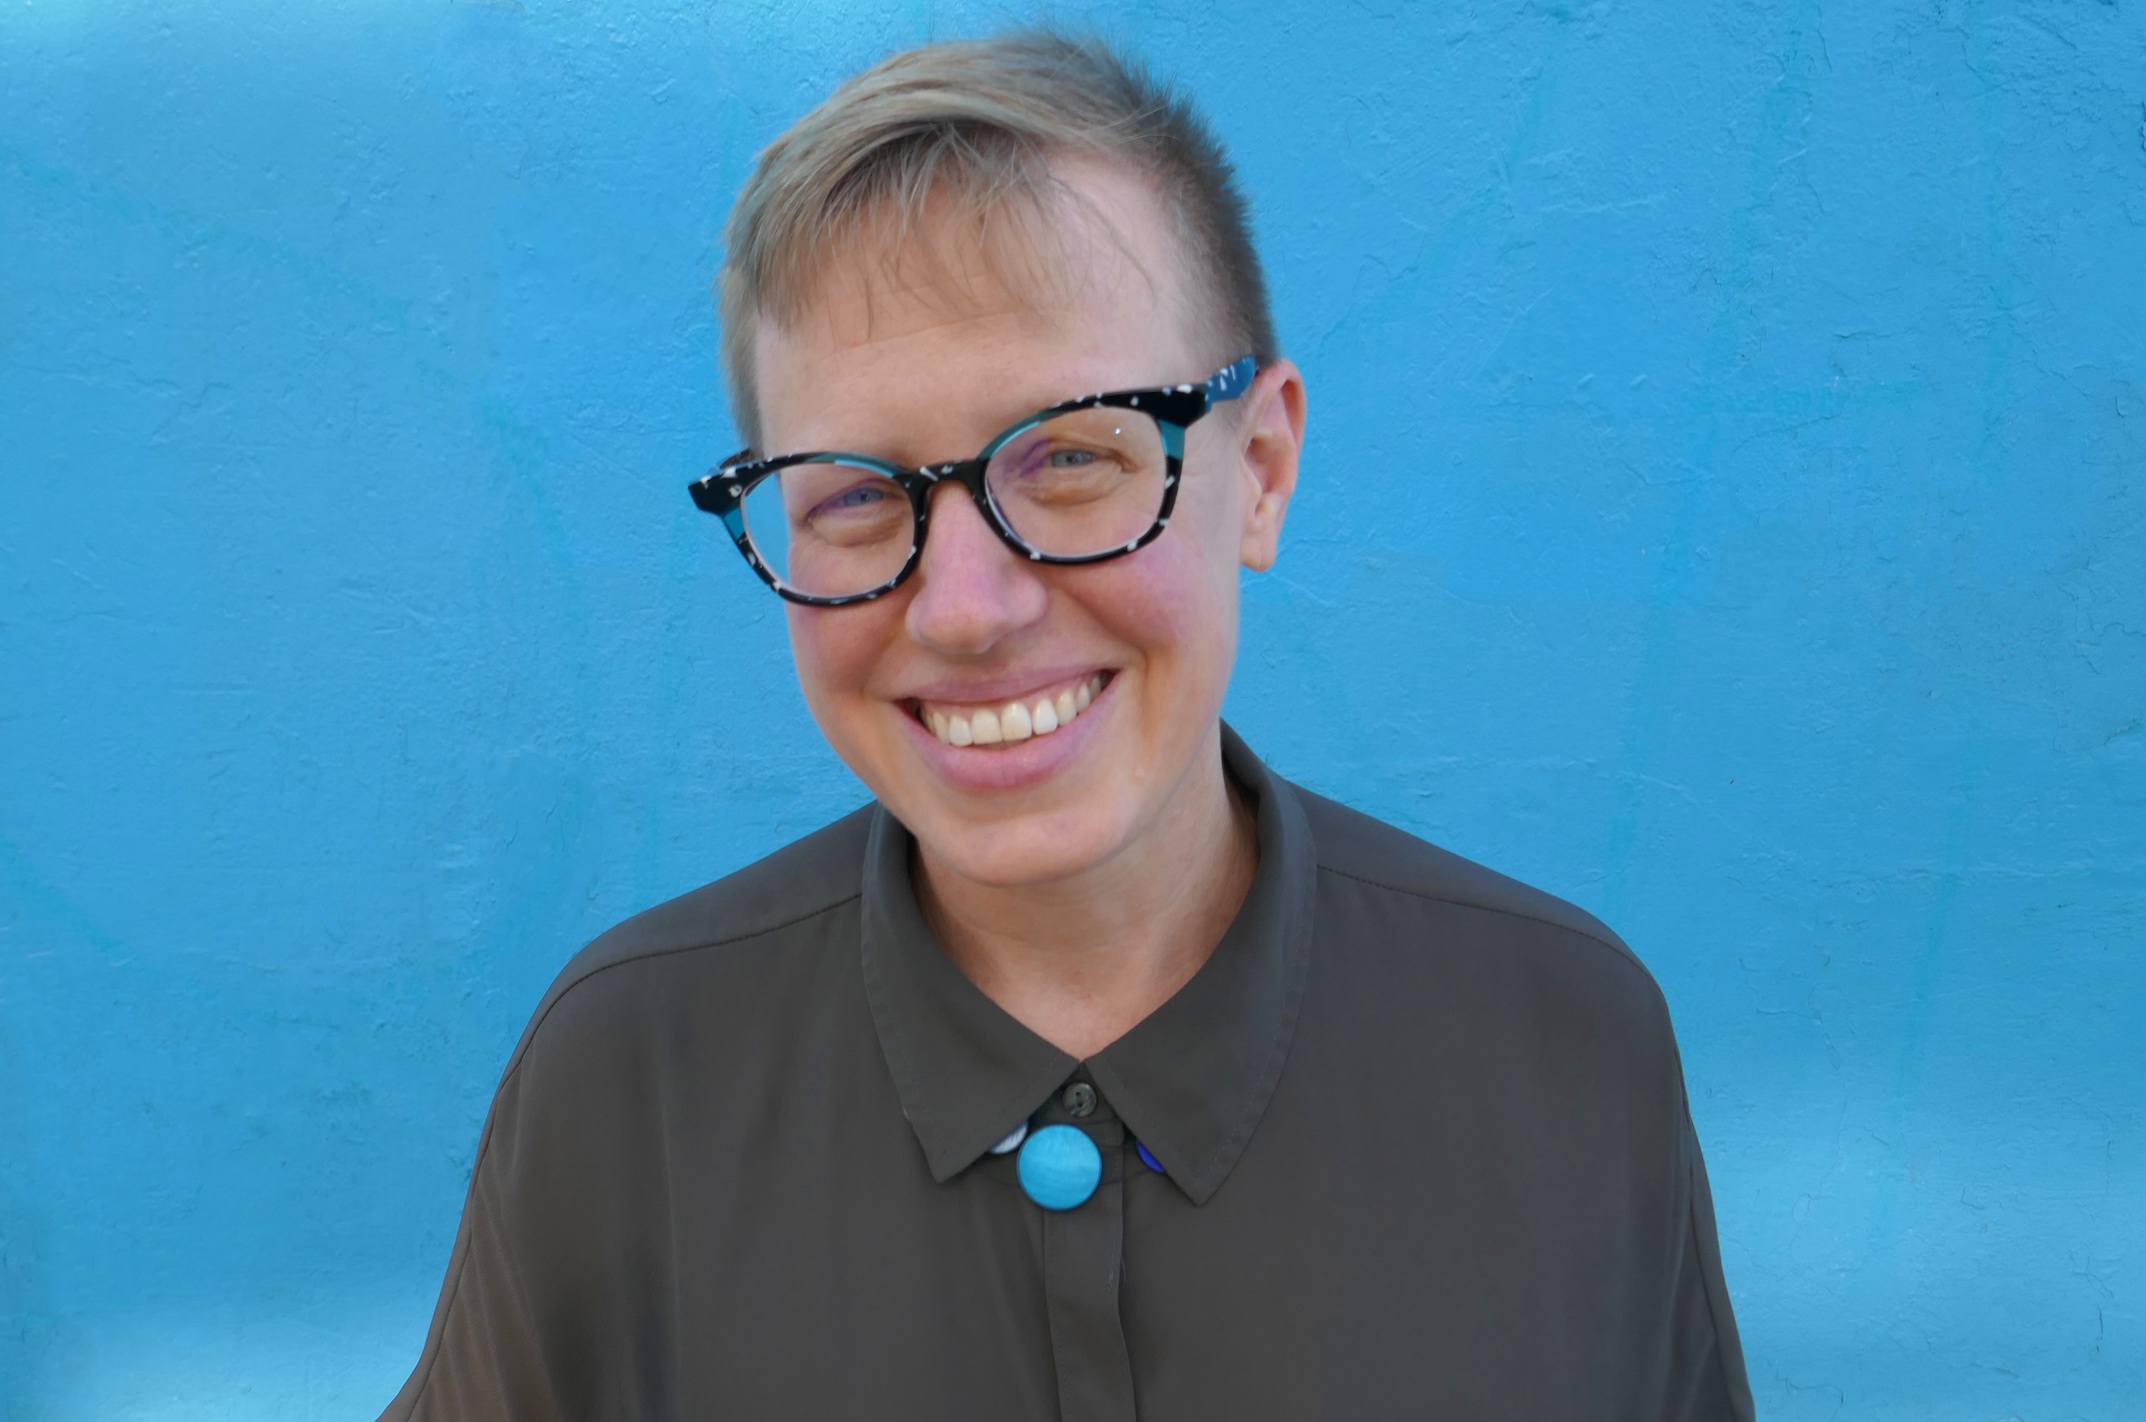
x=830 y=529
x=1084 y=482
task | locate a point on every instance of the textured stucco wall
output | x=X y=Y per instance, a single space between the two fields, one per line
x=1724 y=509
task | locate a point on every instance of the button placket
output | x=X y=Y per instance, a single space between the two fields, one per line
x=1083 y=1269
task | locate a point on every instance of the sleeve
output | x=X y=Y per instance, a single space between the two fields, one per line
x=483 y=1359
x=1706 y=1380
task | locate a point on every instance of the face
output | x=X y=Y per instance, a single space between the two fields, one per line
x=1138 y=649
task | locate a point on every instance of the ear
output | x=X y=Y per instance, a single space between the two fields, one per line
x=1273 y=441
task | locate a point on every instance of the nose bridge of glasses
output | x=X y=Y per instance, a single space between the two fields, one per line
x=965 y=474
x=968 y=474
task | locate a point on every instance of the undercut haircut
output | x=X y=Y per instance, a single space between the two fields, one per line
x=964 y=136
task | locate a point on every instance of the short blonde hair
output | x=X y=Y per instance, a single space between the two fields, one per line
x=971 y=129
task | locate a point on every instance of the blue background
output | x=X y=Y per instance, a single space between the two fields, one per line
x=1724 y=508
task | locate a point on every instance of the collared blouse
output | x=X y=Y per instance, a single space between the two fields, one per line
x=1412 y=1143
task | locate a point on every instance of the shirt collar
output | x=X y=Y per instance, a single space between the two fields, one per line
x=1191 y=1080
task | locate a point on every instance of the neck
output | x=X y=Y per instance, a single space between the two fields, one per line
x=1081 y=961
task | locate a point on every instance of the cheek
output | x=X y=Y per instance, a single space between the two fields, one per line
x=1168 y=602
x=1188 y=589
x=836 y=650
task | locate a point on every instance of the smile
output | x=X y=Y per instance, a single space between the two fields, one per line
x=1012 y=722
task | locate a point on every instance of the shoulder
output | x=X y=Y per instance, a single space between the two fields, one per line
x=1463 y=908
x=738 y=921
x=1356 y=846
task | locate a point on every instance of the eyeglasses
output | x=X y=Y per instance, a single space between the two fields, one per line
x=1081 y=482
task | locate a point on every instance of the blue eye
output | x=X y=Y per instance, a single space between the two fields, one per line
x=850 y=500
x=1069 y=459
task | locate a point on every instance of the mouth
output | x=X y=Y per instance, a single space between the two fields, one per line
x=989 y=727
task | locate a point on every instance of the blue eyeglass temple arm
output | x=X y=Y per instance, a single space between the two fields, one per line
x=1232 y=380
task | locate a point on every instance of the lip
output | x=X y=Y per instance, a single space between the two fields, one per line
x=1007 y=767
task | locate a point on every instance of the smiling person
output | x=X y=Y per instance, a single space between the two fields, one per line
x=1093 y=1071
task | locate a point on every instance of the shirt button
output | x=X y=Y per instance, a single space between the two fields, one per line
x=1059 y=1167
x=1079 y=1100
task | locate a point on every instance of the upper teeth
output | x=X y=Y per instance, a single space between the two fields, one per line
x=1016 y=720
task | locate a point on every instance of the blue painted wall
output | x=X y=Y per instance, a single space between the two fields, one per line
x=1726 y=508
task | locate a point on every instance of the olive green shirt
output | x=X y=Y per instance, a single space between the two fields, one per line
x=1421 y=1133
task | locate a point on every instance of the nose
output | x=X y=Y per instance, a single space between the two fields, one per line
x=972 y=591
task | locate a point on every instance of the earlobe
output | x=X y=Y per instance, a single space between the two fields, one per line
x=1273 y=445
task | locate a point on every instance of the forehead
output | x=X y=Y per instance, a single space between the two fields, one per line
x=979 y=317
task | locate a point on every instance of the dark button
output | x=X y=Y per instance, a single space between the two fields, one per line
x=1079 y=1099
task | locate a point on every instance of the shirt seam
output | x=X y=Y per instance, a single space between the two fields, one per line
x=478 y=1184
x=1692 y=1160
x=484 y=1145
x=645 y=955
x=431 y=1362
x=1684 y=1149
x=1706 y=1285
x=1618 y=950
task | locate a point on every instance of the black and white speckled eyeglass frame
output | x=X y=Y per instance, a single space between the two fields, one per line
x=1174 y=408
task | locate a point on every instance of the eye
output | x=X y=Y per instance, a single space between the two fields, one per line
x=857 y=496
x=1069 y=459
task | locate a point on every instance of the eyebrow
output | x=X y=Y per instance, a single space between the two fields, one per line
x=1021 y=410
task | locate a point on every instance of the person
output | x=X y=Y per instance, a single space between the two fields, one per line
x=1093 y=1071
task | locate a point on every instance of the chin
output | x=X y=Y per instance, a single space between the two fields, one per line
x=1024 y=851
